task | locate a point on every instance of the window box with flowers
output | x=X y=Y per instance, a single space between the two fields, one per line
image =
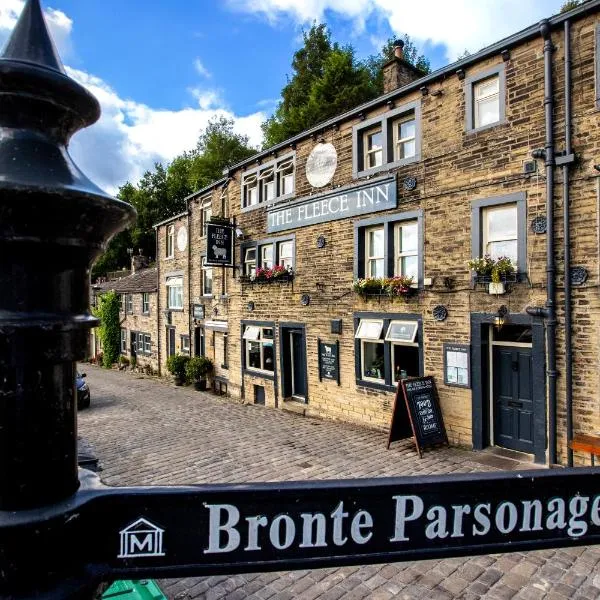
x=496 y=274
x=389 y=287
x=276 y=274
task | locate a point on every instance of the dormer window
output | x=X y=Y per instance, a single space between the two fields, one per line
x=268 y=183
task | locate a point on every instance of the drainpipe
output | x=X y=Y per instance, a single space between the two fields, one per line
x=565 y=161
x=546 y=33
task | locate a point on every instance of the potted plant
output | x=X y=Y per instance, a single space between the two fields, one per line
x=482 y=266
x=400 y=285
x=197 y=369
x=502 y=268
x=369 y=286
x=176 y=364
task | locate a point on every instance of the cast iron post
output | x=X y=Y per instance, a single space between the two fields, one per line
x=53 y=223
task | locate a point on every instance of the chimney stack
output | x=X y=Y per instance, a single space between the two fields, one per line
x=398 y=72
x=139 y=262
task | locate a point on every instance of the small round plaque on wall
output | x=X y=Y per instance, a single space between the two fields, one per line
x=321 y=165
x=410 y=183
x=579 y=275
x=539 y=224
x=440 y=312
x=305 y=300
x=321 y=241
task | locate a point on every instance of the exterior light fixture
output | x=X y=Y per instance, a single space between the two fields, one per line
x=501 y=317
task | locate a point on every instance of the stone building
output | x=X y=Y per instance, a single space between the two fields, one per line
x=138 y=293
x=447 y=167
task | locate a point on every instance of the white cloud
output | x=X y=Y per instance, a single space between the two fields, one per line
x=201 y=69
x=459 y=24
x=131 y=136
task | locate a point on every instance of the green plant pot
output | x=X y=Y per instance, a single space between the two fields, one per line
x=200 y=385
x=179 y=380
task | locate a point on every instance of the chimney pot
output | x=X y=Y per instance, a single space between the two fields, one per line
x=399 y=49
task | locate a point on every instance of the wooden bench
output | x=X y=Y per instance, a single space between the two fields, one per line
x=585 y=442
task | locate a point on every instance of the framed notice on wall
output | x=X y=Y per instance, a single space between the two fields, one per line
x=457 y=365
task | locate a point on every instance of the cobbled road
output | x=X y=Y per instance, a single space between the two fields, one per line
x=147 y=432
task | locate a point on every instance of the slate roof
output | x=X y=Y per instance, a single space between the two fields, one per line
x=144 y=280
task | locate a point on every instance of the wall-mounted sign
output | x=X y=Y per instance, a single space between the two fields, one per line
x=198 y=311
x=457 y=365
x=182 y=239
x=341 y=204
x=219 y=245
x=321 y=165
x=329 y=361
x=419 y=414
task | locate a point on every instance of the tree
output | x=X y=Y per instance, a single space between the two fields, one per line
x=109 y=331
x=327 y=80
x=570 y=4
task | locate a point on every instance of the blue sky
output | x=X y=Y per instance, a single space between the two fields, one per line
x=162 y=68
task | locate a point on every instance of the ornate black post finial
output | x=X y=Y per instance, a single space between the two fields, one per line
x=53 y=222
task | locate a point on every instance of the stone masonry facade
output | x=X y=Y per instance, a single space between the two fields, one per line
x=264 y=338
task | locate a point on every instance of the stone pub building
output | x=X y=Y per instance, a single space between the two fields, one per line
x=480 y=157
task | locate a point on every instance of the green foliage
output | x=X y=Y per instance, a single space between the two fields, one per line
x=177 y=364
x=161 y=192
x=570 y=4
x=328 y=80
x=109 y=331
x=198 y=368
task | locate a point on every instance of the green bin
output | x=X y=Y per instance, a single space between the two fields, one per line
x=134 y=589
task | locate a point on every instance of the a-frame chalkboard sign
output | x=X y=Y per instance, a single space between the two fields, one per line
x=417 y=414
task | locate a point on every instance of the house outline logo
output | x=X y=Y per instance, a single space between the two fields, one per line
x=140 y=539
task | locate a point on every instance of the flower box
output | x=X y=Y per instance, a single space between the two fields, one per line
x=266 y=276
x=385 y=287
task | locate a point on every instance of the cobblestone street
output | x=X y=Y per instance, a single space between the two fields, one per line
x=146 y=432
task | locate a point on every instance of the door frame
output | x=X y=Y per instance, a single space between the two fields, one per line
x=480 y=376
x=283 y=333
x=169 y=329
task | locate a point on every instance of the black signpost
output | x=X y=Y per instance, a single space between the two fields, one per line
x=329 y=361
x=219 y=244
x=418 y=415
x=62 y=532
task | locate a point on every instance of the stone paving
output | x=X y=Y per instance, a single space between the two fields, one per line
x=147 y=432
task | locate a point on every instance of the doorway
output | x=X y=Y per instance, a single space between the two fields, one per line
x=293 y=363
x=199 y=345
x=170 y=341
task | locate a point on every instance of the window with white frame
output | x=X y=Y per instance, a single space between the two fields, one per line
x=387 y=350
x=147 y=344
x=185 y=344
x=122 y=303
x=269 y=182
x=170 y=246
x=250 y=262
x=259 y=348
x=266 y=256
x=175 y=293
x=405 y=137
x=391 y=139
x=285 y=177
x=250 y=190
x=406 y=247
x=146 y=303
x=500 y=237
x=486 y=102
x=130 y=304
x=123 y=341
x=285 y=254
x=207 y=278
x=373 y=148
x=375 y=252
x=206 y=215
x=390 y=247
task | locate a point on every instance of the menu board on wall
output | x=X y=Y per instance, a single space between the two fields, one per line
x=457 y=365
x=420 y=414
x=329 y=361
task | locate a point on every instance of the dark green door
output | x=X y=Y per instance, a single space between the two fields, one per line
x=298 y=364
x=513 y=398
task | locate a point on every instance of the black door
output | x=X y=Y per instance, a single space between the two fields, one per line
x=199 y=341
x=513 y=398
x=133 y=343
x=170 y=341
x=293 y=354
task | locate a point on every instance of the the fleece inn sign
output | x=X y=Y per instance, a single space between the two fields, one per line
x=340 y=204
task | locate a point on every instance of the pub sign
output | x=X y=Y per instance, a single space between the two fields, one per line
x=219 y=245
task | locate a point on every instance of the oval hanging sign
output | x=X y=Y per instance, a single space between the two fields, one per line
x=321 y=165
x=182 y=239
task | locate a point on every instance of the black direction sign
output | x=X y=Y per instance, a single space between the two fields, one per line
x=219 y=245
x=262 y=527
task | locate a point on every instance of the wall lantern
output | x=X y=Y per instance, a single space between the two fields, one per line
x=501 y=317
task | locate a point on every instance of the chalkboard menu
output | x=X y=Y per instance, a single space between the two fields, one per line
x=329 y=361
x=219 y=245
x=417 y=411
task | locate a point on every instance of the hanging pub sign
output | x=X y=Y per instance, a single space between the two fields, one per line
x=198 y=311
x=219 y=245
x=419 y=414
x=374 y=196
x=457 y=361
x=329 y=361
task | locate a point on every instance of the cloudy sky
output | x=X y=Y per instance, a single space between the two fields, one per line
x=162 y=69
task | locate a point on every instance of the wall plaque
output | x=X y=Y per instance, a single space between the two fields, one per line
x=182 y=239
x=321 y=165
x=219 y=245
x=341 y=204
x=457 y=365
x=329 y=361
